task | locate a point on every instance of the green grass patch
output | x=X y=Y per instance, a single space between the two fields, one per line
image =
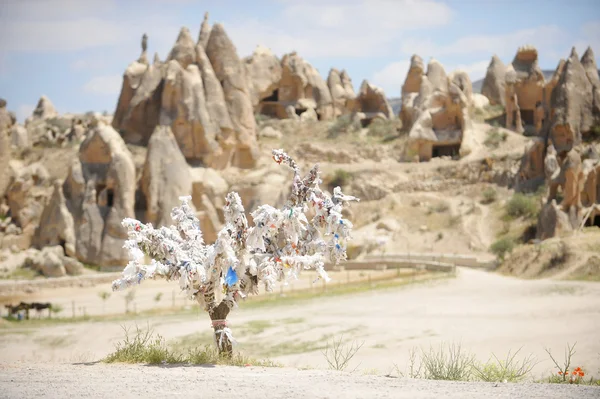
x=494 y=138
x=144 y=346
x=503 y=246
x=522 y=205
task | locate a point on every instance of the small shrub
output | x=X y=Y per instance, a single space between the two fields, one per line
x=502 y=247
x=343 y=124
x=521 y=205
x=489 y=195
x=383 y=128
x=146 y=347
x=142 y=347
x=449 y=362
x=565 y=374
x=509 y=369
x=338 y=354
x=56 y=309
x=495 y=137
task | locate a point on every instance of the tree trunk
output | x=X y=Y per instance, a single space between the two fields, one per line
x=218 y=315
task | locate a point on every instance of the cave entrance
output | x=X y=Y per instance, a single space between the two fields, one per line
x=449 y=150
x=527 y=116
x=110 y=197
x=593 y=220
x=274 y=97
x=366 y=122
x=140 y=205
x=300 y=111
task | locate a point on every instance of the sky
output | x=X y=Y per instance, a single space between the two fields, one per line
x=75 y=51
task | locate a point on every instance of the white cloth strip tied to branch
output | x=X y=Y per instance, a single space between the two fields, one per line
x=221 y=328
x=281 y=243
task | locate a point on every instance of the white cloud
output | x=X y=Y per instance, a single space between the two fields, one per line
x=333 y=28
x=391 y=77
x=24 y=111
x=104 y=85
x=73 y=25
x=544 y=38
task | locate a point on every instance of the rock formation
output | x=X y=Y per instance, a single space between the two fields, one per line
x=204 y=31
x=165 y=178
x=183 y=102
x=27 y=194
x=410 y=91
x=572 y=105
x=342 y=92
x=230 y=72
x=263 y=70
x=372 y=102
x=439 y=116
x=200 y=91
x=493 y=83
x=524 y=90
x=208 y=196
x=5 y=125
x=100 y=192
x=138 y=107
x=56 y=226
x=44 y=110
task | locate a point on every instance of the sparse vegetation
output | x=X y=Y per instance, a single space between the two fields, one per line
x=384 y=129
x=338 y=354
x=522 y=205
x=343 y=124
x=489 y=195
x=503 y=246
x=144 y=346
x=494 y=138
x=450 y=362
x=565 y=374
x=506 y=370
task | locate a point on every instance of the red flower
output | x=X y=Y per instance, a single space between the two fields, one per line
x=581 y=374
x=560 y=373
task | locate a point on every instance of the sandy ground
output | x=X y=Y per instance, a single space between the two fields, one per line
x=103 y=381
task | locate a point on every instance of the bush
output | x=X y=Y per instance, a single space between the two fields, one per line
x=521 y=205
x=502 y=246
x=146 y=347
x=343 y=124
x=509 y=369
x=450 y=363
x=494 y=138
x=338 y=355
x=383 y=128
x=489 y=195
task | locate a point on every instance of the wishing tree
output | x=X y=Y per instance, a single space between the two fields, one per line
x=281 y=244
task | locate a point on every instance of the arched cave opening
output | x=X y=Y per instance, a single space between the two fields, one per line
x=447 y=150
x=140 y=205
x=365 y=122
x=527 y=116
x=63 y=244
x=300 y=111
x=592 y=221
x=110 y=197
x=273 y=97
